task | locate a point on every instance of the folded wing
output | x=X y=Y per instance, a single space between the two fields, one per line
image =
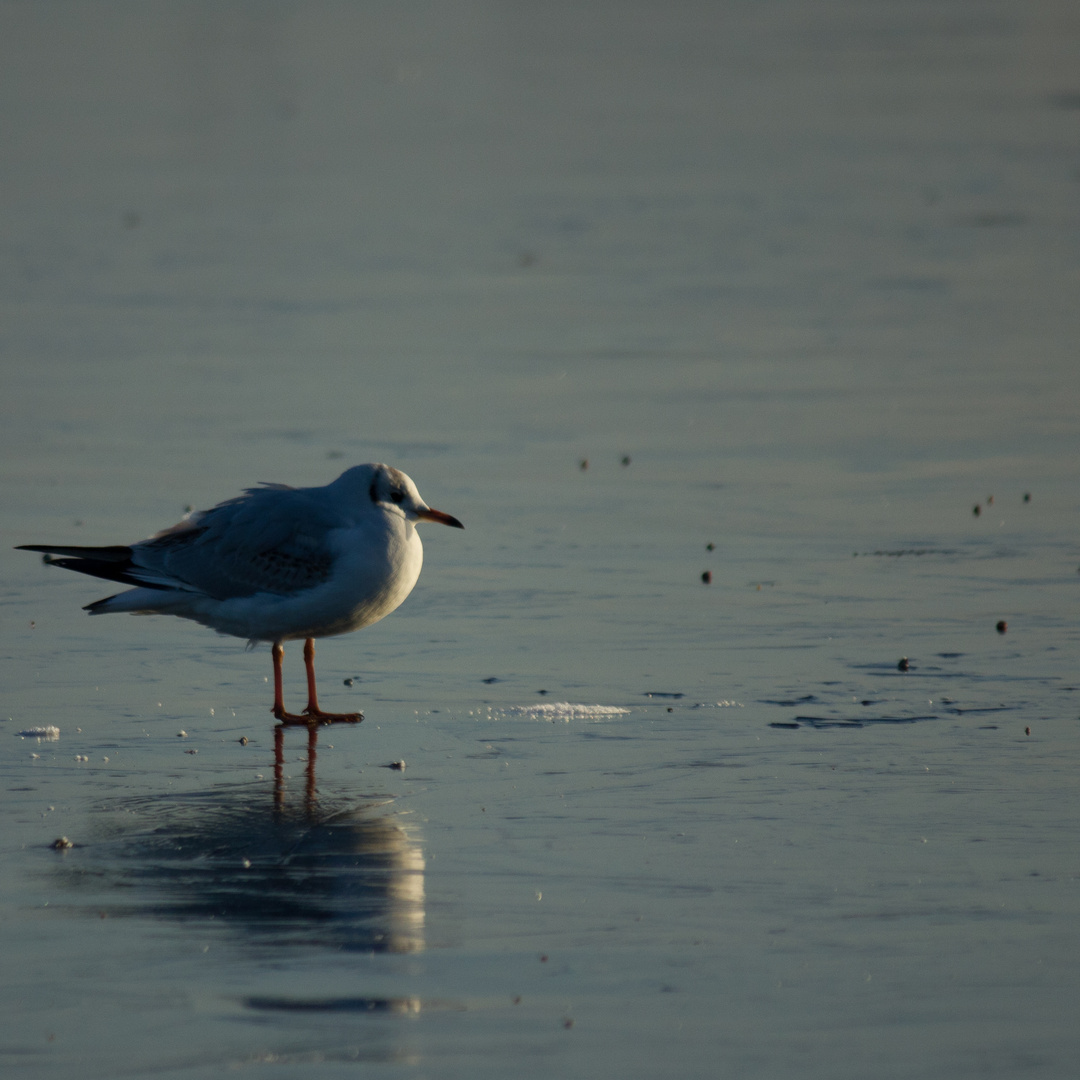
x=271 y=539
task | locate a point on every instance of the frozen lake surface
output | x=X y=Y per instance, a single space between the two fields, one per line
x=784 y=295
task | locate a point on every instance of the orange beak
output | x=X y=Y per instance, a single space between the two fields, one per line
x=440 y=517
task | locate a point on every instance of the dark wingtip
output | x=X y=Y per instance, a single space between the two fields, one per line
x=95 y=607
x=47 y=557
x=116 y=553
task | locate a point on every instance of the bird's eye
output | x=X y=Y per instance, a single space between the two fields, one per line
x=396 y=496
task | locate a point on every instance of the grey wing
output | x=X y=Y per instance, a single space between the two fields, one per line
x=269 y=540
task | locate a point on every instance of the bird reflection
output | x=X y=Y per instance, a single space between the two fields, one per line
x=311 y=788
x=297 y=871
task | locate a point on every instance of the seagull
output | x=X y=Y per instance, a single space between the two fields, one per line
x=276 y=564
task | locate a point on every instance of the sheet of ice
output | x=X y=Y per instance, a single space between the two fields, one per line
x=49 y=732
x=565 y=710
x=796 y=284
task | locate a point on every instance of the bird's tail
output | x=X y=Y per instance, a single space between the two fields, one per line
x=142 y=601
x=112 y=563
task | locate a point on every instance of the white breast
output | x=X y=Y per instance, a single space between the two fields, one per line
x=376 y=567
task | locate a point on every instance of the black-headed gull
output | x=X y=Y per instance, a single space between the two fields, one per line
x=276 y=564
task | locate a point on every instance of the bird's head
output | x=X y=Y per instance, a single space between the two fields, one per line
x=391 y=489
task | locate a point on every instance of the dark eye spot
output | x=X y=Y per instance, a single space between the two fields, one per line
x=396 y=496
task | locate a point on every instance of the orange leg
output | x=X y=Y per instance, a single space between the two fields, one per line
x=312 y=714
x=278 y=652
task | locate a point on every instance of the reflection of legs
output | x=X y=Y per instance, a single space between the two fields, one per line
x=309 y=772
x=279 y=766
x=279 y=763
x=312 y=714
